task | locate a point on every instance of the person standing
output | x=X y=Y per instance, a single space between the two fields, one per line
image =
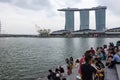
x=71 y=62
x=77 y=63
x=87 y=70
x=69 y=70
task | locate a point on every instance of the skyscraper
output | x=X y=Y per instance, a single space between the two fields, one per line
x=100 y=15
x=100 y=19
x=69 y=20
x=84 y=19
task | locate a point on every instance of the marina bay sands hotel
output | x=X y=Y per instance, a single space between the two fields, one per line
x=100 y=17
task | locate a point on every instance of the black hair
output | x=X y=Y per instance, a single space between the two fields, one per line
x=91 y=47
x=50 y=70
x=88 y=58
x=56 y=70
x=87 y=53
x=64 y=79
x=104 y=46
x=96 y=59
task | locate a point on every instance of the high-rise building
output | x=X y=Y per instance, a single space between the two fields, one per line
x=84 y=19
x=69 y=20
x=100 y=15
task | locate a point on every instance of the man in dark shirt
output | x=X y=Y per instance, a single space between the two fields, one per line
x=87 y=70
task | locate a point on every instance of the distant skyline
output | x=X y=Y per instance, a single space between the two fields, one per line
x=20 y=16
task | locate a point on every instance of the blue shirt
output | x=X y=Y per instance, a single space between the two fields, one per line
x=102 y=56
x=116 y=58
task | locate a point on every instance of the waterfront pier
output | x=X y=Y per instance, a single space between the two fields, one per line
x=110 y=74
x=101 y=63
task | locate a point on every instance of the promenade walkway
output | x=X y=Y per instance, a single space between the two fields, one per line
x=101 y=52
x=118 y=70
x=110 y=74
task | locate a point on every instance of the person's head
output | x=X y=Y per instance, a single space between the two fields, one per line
x=116 y=50
x=50 y=70
x=67 y=60
x=104 y=46
x=71 y=58
x=97 y=48
x=77 y=61
x=109 y=59
x=97 y=60
x=88 y=59
x=109 y=50
x=56 y=70
x=91 y=48
x=87 y=53
x=59 y=67
x=101 y=48
x=111 y=44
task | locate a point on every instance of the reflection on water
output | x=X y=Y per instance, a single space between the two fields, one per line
x=29 y=58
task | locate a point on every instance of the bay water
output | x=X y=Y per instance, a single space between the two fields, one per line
x=30 y=58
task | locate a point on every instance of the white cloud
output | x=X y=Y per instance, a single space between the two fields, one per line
x=112 y=5
x=30 y=4
x=20 y=16
x=18 y=20
x=113 y=12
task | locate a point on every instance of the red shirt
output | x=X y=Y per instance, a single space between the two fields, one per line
x=92 y=51
x=82 y=60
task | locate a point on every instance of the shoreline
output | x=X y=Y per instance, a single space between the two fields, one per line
x=57 y=36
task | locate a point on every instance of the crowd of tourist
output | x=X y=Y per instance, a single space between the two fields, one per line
x=90 y=65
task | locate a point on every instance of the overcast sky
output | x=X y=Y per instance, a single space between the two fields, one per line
x=20 y=16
